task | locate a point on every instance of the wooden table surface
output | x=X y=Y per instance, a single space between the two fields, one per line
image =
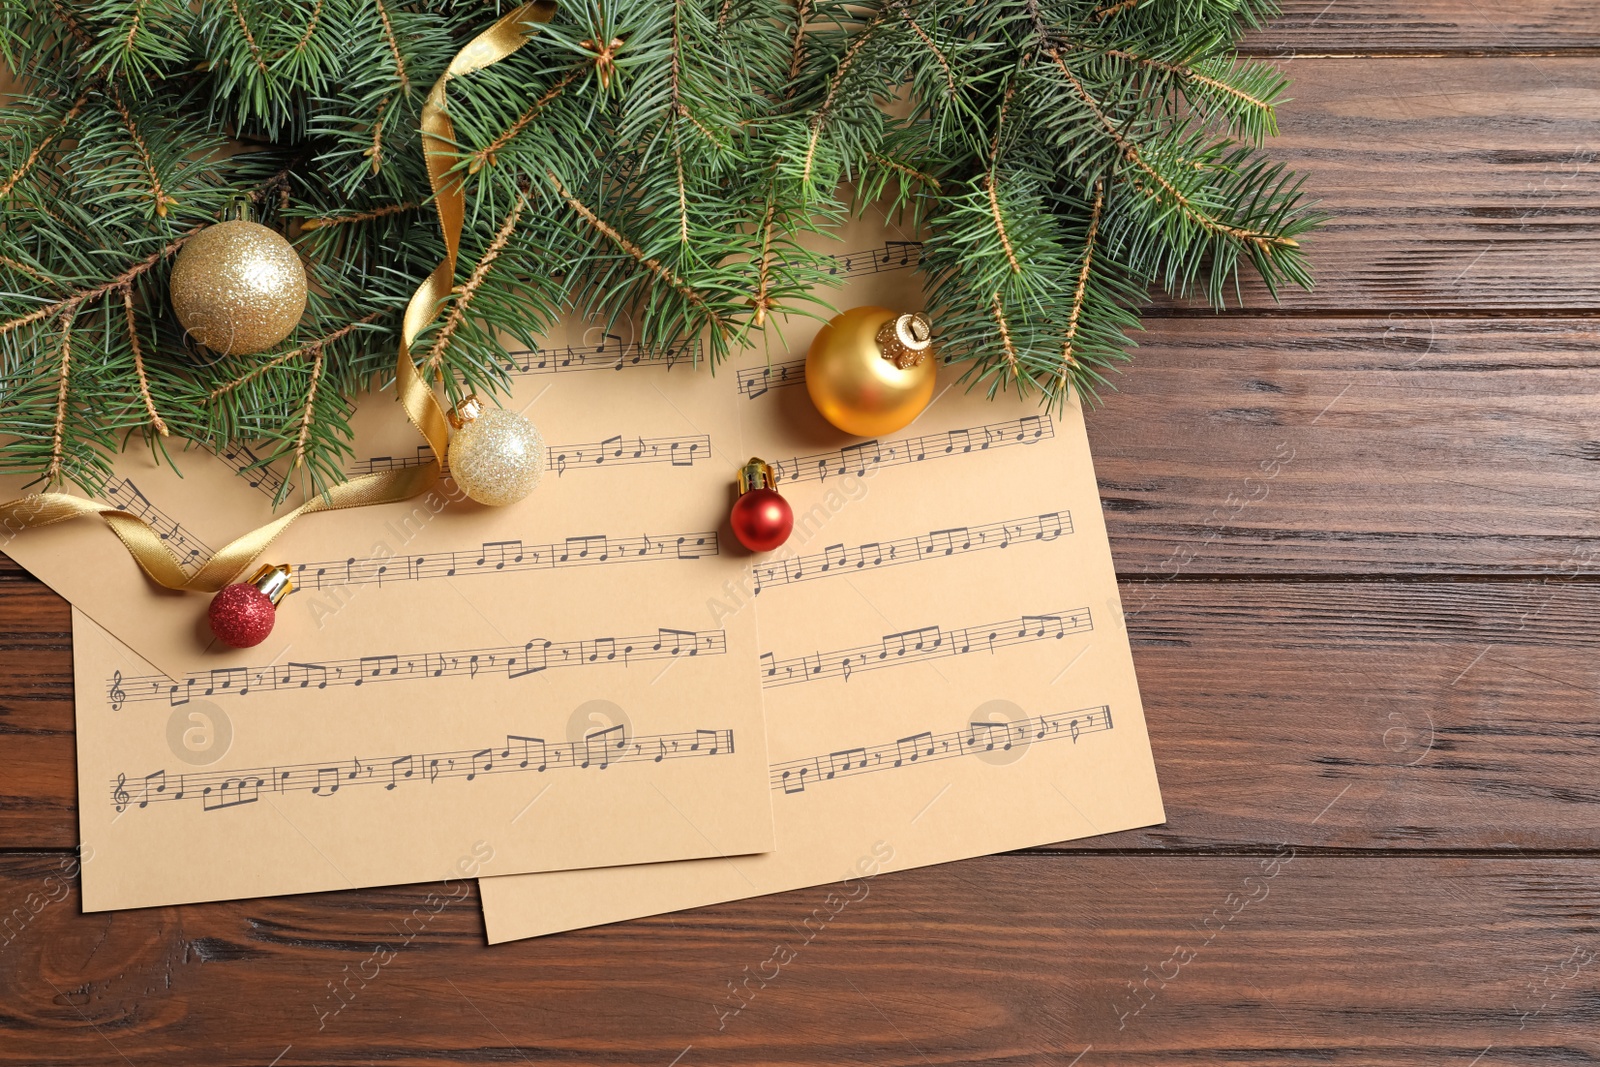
x=1357 y=534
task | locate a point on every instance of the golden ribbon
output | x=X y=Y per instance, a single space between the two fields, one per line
x=438 y=136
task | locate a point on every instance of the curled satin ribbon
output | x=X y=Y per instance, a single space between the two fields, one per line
x=507 y=35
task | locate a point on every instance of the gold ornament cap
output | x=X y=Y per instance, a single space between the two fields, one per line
x=756 y=474
x=466 y=411
x=273 y=581
x=906 y=340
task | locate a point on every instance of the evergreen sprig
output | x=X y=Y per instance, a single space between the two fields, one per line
x=660 y=159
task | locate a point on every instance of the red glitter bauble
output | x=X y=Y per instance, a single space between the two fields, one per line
x=242 y=615
x=762 y=520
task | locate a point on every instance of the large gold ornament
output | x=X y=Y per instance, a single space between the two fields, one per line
x=238 y=287
x=871 y=371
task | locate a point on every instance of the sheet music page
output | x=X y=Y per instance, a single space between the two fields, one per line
x=540 y=683
x=943 y=659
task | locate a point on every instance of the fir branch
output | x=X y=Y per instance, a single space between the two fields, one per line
x=922 y=35
x=394 y=48
x=1069 y=357
x=1130 y=152
x=38 y=149
x=279 y=360
x=910 y=172
x=465 y=291
x=308 y=411
x=650 y=263
x=68 y=306
x=157 y=193
x=1006 y=346
x=138 y=361
x=311 y=27
x=824 y=111
x=23 y=268
x=1189 y=74
x=364 y=216
x=63 y=376
x=250 y=38
x=1113 y=10
x=486 y=156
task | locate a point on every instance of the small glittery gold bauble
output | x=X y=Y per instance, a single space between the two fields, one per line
x=496 y=456
x=854 y=386
x=238 y=287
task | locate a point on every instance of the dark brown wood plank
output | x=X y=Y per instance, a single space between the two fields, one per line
x=1027 y=961
x=1392 y=445
x=1460 y=183
x=1379 y=27
x=1436 y=715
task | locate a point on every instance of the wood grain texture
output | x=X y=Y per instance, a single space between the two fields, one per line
x=1455 y=183
x=1027 y=961
x=1393 y=445
x=1383 y=27
x=1445 y=715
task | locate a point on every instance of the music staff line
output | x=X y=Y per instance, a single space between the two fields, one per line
x=871 y=455
x=794 y=776
x=502 y=557
x=920 y=645
x=614 y=451
x=190 y=550
x=936 y=544
x=220 y=789
x=515 y=661
x=611 y=353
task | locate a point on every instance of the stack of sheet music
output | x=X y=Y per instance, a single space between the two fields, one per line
x=595 y=700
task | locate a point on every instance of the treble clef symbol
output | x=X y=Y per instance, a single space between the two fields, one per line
x=121 y=794
x=116 y=694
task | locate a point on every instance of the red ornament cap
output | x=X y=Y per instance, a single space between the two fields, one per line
x=243 y=613
x=761 y=519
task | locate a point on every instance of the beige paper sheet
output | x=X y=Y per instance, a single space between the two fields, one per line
x=539 y=681
x=942 y=656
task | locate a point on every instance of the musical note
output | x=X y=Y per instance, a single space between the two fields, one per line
x=518 y=660
x=504 y=557
x=795 y=776
x=919 y=645
x=859 y=458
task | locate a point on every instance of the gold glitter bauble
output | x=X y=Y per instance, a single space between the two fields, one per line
x=496 y=456
x=238 y=287
x=857 y=385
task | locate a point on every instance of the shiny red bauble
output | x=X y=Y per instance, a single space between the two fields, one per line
x=242 y=615
x=762 y=520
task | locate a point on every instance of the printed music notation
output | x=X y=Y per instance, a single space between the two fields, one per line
x=614 y=451
x=870 y=455
x=243 y=460
x=499 y=557
x=758 y=381
x=921 y=644
x=794 y=776
x=220 y=789
x=894 y=255
x=612 y=353
x=190 y=550
x=513 y=661
x=936 y=544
